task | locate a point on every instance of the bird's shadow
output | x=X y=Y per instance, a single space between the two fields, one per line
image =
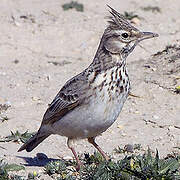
x=39 y=160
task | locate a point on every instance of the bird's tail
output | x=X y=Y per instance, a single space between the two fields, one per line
x=33 y=142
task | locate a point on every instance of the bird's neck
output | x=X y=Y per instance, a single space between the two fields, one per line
x=105 y=60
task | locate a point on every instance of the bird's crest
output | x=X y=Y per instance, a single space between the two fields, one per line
x=117 y=20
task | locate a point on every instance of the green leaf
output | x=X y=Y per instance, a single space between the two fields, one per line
x=14 y=167
x=169 y=166
x=73 y=4
x=17 y=137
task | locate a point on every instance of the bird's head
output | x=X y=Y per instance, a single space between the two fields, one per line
x=120 y=37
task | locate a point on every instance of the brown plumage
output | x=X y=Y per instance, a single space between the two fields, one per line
x=89 y=103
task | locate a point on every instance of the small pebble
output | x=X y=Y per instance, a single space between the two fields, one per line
x=155 y=117
x=123 y=134
x=16 y=61
x=68 y=158
x=135 y=20
x=129 y=148
x=171 y=128
x=136 y=112
x=17 y=24
x=120 y=126
x=35 y=99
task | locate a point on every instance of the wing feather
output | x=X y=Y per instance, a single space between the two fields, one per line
x=66 y=100
x=57 y=109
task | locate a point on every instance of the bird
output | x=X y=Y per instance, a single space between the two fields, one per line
x=90 y=102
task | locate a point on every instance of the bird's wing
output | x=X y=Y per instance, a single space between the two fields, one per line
x=58 y=108
x=67 y=99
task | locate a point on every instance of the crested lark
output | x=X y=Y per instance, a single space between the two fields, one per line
x=89 y=103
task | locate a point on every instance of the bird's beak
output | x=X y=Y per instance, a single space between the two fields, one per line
x=147 y=35
x=142 y=36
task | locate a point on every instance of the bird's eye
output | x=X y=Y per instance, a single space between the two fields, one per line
x=125 y=35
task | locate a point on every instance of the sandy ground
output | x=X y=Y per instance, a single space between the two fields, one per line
x=29 y=81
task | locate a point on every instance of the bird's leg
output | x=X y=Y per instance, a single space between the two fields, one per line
x=70 y=146
x=92 y=141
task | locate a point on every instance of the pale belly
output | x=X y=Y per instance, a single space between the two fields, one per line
x=101 y=110
x=91 y=119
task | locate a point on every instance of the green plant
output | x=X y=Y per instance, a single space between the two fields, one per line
x=62 y=168
x=3 y=171
x=5 y=168
x=73 y=4
x=130 y=15
x=140 y=167
x=177 y=89
x=32 y=176
x=3 y=118
x=3 y=108
x=149 y=167
x=152 y=8
x=132 y=167
x=58 y=167
x=128 y=148
x=94 y=158
x=16 y=177
x=17 y=137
